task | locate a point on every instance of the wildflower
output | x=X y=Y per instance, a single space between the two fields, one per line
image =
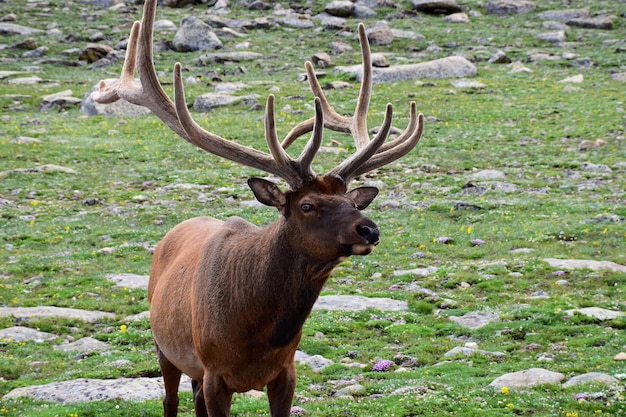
x=123 y=328
x=382 y=365
x=505 y=390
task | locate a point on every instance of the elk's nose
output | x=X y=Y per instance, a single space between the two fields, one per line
x=370 y=234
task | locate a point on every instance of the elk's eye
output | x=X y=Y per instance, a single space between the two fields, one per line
x=307 y=207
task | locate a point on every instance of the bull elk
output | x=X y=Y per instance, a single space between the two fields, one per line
x=228 y=299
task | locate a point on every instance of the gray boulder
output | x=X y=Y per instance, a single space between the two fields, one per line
x=10 y=29
x=504 y=7
x=209 y=101
x=195 y=35
x=340 y=8
x=527 y=378
x=449 y=67
x=564 y=15
x=436 y=6
x=590 y=377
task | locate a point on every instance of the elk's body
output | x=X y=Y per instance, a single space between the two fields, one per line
x=228 y=299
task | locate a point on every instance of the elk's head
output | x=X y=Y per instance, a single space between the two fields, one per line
x=321 y=218
x=318 y=206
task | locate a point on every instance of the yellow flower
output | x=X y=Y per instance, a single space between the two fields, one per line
x=123 y=328
x=505 y=390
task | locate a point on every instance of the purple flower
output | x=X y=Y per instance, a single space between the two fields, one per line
x=382 y=365
x=558 y=273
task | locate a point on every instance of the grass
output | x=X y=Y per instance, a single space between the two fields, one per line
x=128 y=191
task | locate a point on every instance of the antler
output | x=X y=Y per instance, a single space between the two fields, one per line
x=356 y=125
x=369 y=155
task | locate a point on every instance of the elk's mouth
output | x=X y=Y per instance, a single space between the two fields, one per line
x=359 y=248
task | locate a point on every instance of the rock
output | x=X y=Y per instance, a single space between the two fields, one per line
x=361 y=11
x=475 y=320
x=619 y=76
x=358 y=303
x=341 y=8
x=60 y=101
x=419 y=272
x=331 y=22
x=322 y=60
x=94 y=52
x=488 y=174
x=208 y=101
x=221 y=57
x=23 y=334
x=598 y=168
x=230 y=88
x=11 y=29
x=129 y=280
x=457 y=18
x=48 y=311
x=575 y=79
x=32 y=80
x=564 y=15
x=405 y=34
x=500 y=57
x=604 y=23
x=36 y=53
x=585 y=264
x=380 y=35
x=467 y=84
x=504 y=7
x=527 y=378
x=449 y=67
x=436 y=6
x=620 y=357
x=195 y=35
x=349 y=391
x=590 y=377
x=315 y=362
x=119 y=108
x=28 y=44
x=340 y=47
x=556 y=37
x=86 y=346
x=25 y=140
x=85 y=390
x=597 y=313
x=379 y=61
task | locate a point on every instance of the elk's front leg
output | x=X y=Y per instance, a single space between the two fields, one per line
x=280 y=391
x=217 y=396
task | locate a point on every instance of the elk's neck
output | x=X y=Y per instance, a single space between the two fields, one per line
x=284 y=285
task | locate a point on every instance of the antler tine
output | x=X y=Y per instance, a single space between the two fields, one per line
x=308 y=153
x=401 y=148
x=347 y=168
x=110 y=94
x=356 y=124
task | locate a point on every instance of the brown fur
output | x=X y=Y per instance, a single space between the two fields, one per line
x=229 y=299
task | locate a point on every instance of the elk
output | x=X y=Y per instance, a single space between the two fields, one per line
x=228 y=299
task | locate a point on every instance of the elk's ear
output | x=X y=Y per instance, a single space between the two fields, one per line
x=363 y=196
x=267 y=192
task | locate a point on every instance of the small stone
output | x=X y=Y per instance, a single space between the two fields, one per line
x=620 y=356
x=577 y=79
